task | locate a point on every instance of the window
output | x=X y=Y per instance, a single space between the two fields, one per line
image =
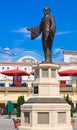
x=74 y=77
x=2 y=68
x=32 y=69
x=28 y=60
x=43 y=117
x=61 y=117
x=25 y=69
x=53 y=73
x=27 y=117
x=7 y=68
x=44 y=73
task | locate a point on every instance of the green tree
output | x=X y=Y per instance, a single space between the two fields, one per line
x=68 y=100
x=20 y=101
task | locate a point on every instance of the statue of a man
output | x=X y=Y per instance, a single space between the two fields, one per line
x=48 y=28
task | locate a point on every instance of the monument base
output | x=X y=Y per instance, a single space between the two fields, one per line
x=45 y=114
x=46 y=110
x=46 y=128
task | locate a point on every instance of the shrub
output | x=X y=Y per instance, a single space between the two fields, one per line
x=69 y=101
x=20 y=101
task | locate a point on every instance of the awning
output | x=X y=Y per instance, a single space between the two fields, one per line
x=70 y=72
x=32 y=73
x=14 y=72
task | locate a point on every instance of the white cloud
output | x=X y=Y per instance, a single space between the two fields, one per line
x=65 y=33
x=21 y=30
x=27 y=33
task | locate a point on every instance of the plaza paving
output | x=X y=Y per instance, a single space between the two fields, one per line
x=75 y=125
x=6 y=124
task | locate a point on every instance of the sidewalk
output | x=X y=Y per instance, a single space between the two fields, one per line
x=6 y=124
x=75 y=125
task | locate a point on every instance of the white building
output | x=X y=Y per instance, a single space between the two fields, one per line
x=25 y=62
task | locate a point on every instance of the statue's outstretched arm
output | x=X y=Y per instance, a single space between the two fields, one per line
x=35 y=31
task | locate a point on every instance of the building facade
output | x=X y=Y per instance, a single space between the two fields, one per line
x=68 y=84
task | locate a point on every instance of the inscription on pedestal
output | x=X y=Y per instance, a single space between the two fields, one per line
x=43 y=117
x=61 y=117
x=27 y=117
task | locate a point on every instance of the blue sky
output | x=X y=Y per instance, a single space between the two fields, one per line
x=16 y=15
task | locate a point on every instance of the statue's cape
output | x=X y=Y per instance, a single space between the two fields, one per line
x=35 y=32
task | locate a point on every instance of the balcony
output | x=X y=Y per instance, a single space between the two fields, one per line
x=15 y=89
x=68 y=89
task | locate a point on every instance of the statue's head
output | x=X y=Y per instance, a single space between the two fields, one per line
x=46 y=9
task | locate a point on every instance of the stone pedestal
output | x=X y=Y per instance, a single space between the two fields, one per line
x=46 y=110
x=46 y=80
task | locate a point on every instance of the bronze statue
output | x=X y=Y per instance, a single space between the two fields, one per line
x=48 y=29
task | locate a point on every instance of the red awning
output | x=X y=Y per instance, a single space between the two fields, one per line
x=70 y=72
x=14 y=72
x=32 y=73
